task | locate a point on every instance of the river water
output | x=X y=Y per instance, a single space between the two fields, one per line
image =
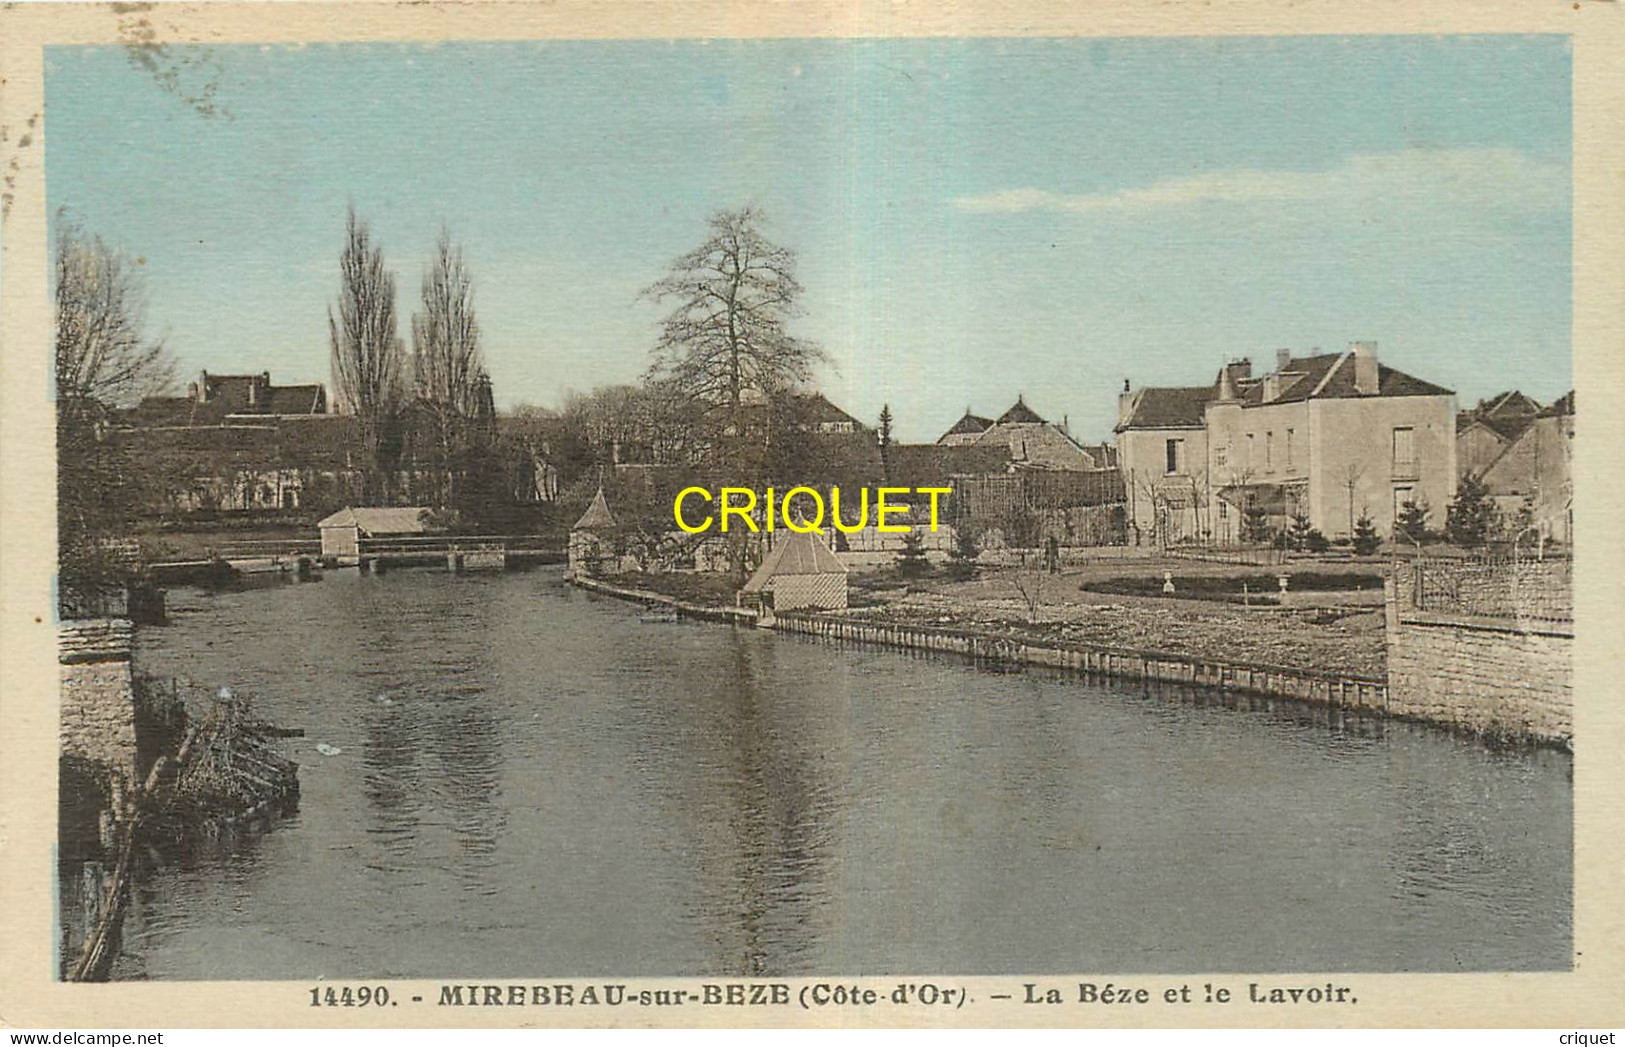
x=532 y=782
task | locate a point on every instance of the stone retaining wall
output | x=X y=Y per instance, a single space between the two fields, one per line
x=97 y=694
x=1504 y=677
x=1150 y=666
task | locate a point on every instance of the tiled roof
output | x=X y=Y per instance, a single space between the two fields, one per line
x=970 y=425
x=930 y=465
x=1037 y=444
x=1020 y=412
x=1331 y=376
x=297 y=399
x=1169 y=407
x=1507 y=427
x=796 y=554
x=815 y=409
x=380 y=520
x=1508 y=404
x=157 y=412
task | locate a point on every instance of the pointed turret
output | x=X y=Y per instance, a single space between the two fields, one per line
x=597 y=517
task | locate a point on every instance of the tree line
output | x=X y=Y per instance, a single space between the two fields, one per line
x=718 y=396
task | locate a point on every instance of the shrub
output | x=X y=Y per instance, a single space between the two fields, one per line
x=1366 y=539
x=1412 y=525
x=1472 y=517
x=962 y=556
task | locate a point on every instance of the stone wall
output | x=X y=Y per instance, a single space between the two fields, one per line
x=1505 y=676
x=97 y=694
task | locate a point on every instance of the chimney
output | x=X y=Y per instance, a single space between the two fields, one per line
x=1283 y=357
x=1125 y=405
x=1366 y=377
x=1272 y=388
x=1227 y=385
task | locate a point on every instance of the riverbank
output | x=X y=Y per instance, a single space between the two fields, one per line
x=1336 y=632
x=652 y=599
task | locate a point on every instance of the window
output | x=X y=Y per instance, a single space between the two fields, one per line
x=1401 y=496
x=1289 y=448
x=1251 y=454
x=1269 y=451
x=1405 y=446
x=1221 y=454
x=1176 y=455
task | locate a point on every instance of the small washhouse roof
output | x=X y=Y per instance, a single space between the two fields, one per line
x=377 y=521
x=797 y=554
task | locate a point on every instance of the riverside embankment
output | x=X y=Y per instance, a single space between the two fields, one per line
x=1013 y=643
x=1324 y=648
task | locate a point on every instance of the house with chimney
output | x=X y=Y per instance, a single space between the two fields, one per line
x=1331 y=436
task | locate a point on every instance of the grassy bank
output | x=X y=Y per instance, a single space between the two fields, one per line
x=1318 y=630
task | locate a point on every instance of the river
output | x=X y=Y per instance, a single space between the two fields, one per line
x=532 y=782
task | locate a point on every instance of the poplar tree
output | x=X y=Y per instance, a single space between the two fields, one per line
x=366 y=351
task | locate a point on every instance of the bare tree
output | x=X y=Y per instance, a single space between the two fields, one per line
x=1351 y=481
x=102 y=354
x=725 y=341
x=103 y=361
x=1030 y=587
x=447 y=366
x=367 y=353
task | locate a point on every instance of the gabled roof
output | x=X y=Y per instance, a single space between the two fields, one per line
x=1169 y=407
x=1508 y=404
x=1042 y=446
x=597 y=517
x=797 y=554
x=1505 y=427
x=1331 y=376
x=381 y=520
x=815 y=409
x=969 y=425
x=1020 y=413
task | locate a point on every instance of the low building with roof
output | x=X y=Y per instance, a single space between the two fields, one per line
x=800 y=572
x=343 y=532
x=1331 y=436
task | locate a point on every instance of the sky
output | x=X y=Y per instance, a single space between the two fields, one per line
x=974 y=219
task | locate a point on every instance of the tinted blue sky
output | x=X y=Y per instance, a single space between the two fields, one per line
x=974 y=218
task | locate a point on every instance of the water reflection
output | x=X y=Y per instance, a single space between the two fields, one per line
x=534 y=782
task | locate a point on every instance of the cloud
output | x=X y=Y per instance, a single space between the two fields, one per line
x=1500 y=178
